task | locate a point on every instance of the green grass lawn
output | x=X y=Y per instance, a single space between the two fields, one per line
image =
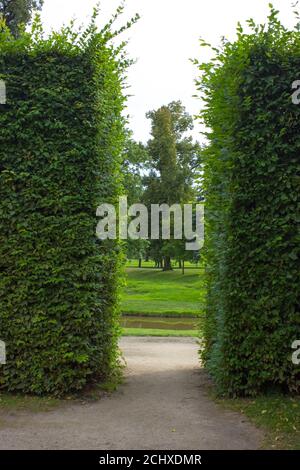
x=154 y=292
x=13 y=403
x=277 y=414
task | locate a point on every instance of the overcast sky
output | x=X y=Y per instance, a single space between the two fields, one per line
x=164 y=40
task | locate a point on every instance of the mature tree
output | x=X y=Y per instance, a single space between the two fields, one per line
x=16 y=12
x=135 y=163
x=175 y=161
x=162 y=148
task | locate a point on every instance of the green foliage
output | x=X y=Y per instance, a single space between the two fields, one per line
x=61 y=137
x=18 y=12
x=252 y=176
x=174 y=156
x=174 y=160
x=134 y=163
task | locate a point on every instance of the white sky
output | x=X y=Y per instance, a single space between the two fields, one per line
x=163 y=41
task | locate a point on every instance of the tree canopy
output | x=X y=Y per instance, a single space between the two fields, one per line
x=17 y=12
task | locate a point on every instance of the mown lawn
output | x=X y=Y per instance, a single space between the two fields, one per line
x=154 y=292
x=26 y=402
x=14 y=403
x=277 y=414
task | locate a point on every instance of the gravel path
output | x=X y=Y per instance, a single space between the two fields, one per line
x=162 y=405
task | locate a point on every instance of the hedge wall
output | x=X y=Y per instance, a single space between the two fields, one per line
x=252 y=181
x=61 y=134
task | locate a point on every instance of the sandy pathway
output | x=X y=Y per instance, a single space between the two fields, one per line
x=162 y=405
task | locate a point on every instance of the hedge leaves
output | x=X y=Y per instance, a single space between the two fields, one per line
x=61 y=135
x=252 y=181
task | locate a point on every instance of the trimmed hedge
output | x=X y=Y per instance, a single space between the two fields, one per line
x=252 y=181
x=61 y=136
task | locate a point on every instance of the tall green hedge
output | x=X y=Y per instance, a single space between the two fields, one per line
x=61 y=135
x=252 y=190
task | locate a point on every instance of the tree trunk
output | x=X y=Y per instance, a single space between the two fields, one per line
x=167 y=264
x=140 y=262
x=179 y=264
x=182 y=266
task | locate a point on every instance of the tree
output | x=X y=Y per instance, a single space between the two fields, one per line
x=134 y=163
x=135 y=159
x=16 y=12
x=175 y=161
